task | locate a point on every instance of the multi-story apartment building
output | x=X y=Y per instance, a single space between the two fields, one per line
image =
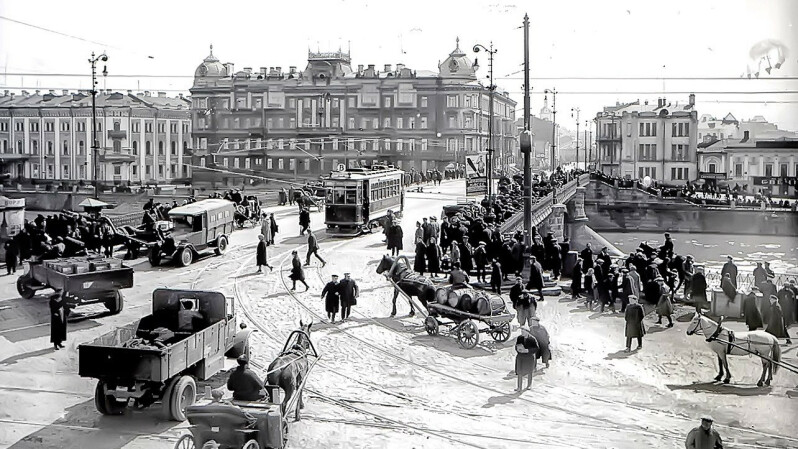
x=299 y=124
x=140 y=138
x=636 y=141
x=726 y=128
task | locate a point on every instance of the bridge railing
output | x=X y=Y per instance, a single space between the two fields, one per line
x=542 y=208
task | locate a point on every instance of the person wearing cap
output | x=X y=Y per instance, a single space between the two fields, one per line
x=633 y=316
x=348 y=291
x=698 y=289
x=774 y=317
x=535 y=282
x=426 y=230
x=542 y=336
x=188 y=319
x=576 y=279
x=687 y=272
x=731 y=269
x=626 y=290
x=728 y=287
x=435 y=228
x=458 y=277
x=753 y=319
x=526 y=358
x=664 y=305
x=666 y=250
x=481 y=261
x=496 y=276
x=331 y=293
x=516 y=290
x=704 y=436
x=433 y=253
x=787 y=302
x=244 y=383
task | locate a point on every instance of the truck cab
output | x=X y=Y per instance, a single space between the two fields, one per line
x=196 y=227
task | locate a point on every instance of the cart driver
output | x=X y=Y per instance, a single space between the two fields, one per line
x=244 y=383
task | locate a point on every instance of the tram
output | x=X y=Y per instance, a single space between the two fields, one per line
x=358 y=199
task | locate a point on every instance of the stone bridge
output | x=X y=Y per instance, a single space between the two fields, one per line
x=555 y=211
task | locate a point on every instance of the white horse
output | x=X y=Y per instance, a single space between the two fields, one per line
x=754 y=342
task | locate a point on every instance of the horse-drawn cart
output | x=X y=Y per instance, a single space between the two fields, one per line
x=460 y=309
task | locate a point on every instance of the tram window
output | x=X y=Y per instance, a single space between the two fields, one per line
x=330 y=196
x=339 y=195
x=351 y=195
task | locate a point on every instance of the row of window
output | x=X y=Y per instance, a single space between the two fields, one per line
x=769 y=170
x=388 y=188
x=80 y=126
x=117 y=147
x=117 y=171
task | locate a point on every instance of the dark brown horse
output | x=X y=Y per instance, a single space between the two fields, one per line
x=290 y=368
x=411 y=284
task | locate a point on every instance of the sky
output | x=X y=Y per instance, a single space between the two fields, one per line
x=573 y=45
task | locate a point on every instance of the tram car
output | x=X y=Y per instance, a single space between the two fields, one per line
x=358 y=199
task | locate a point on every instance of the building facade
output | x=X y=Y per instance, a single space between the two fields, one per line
x=141 y=138
x=276 y=124
x=721 y=129
x=635 y=141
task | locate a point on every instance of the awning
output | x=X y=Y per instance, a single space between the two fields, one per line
x=94 y=203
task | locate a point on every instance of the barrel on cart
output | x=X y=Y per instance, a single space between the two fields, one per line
x=81 y=280
x=459 y=309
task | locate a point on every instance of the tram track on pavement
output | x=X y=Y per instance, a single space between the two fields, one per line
x=611 y=402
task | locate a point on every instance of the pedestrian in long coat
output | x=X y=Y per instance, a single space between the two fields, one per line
x=58 y=320
x=730 y=268
x=297 y=273
x=535 y=277
x=634 y=323
x=273 y=226
x=434 y=254
x=12 y=255
x=775 y=320
x=331 y=296
x=348 y=291
x=587 y=258
x=728 y=287
x=304 y=220
x=496 y=276
x=626 y=290
x=526 y=358
x=266 y=229
x=394 y=238
x=506 y=259
x=419 y=235
x=261 y=255
x=454 y=257
x=466 y=256
x=590 y=289
x=420 y=264
x=576 y=279
x=698 y=290
x=787 y=303
x=664 y=305
x=753 y=319
x=481 y=261
x=542 y=336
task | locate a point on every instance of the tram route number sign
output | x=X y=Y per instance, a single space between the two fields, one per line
x=341 y=167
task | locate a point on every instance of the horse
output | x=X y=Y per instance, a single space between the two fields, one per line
x=289 y=369
x=411 y=284
x=759 y=343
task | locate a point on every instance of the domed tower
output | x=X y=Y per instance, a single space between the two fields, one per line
x=209 y=71
x=457 y=66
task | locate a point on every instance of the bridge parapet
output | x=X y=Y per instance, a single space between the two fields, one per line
x=543 y=208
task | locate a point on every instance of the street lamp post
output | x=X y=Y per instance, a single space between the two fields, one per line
x=94 y=144
x=491 y=88
x=587 y=141
x=576 y=111
x=553 y=93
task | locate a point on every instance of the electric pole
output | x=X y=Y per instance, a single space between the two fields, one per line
x=527 y=140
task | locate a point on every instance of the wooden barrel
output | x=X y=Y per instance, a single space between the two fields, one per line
x=441 y=295
x=466 y=302
x=453 y=299
x=496 y=304
x=483 y=306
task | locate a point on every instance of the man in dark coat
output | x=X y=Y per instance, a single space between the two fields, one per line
x=426 y=230
x=244 y=383
x=331 y=296
x=760 y=275
x=466 y=256
x=704 y=436
x=12 y=255
x=313 y=248
x=496 y=276
x=535 y=277
x=769 y=288
x=576 y=279
x=728 y=287
x=445 y=234
x=753 y=319
x=58 y=320
x=730 y=268
x=516 y=290
x=274 y=228
x=304 y=221
x=507 y=260
x=420 y=262
x=394 y=237
x=261 y=256
x=664 y=305
x=555 y=261
x=434 y=254
x=775 y=320
x=634 y=315
x=626 y=290
x=297 y=273
x=542 y=336
x=526 y=359
x=348 y=291
x=517 y=252
x=481 y=261
x=698 y=290
x=787 y=303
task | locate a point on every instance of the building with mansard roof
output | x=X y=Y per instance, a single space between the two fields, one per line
x=141 y=138
x=297 y=124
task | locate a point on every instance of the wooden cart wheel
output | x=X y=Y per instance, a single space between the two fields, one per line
x=107 y=405
x=468 y=334
x=431 y=326
x=251 y=444
x=24 y=287
x=185 y=256
x=500 y=332
x=184 y=394
x=221 y=245
x=115 y=303
x=186 y=442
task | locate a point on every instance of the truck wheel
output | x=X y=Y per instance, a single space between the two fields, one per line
x=186 y=442
x=24 y=287
x=251 y=444
x=115 y=303
x=185 y=256
x=107 y=405
x=184 y=394
x=221 y=245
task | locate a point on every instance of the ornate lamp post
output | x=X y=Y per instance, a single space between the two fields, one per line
x=491 y=51
x=575 y=112
x=94 y=144
x=553 y=93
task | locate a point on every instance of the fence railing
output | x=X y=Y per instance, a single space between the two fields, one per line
x=746 y=281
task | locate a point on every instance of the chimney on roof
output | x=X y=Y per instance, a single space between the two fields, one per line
x=25 y=93
x=691 y=100
x=130 y=92
x=180 y=95
x=52 y=91
x=264 y=71
x=279 y=70
x=360 y=68
x=161 y=94
x=37 y=91
x=399 y=67
x=292 y=70
x=230 y=67
x=387 y=67
x=65 y=91
x=146 y=93
x=746 y=136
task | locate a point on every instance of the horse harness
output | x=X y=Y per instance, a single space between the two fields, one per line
x=729 y=343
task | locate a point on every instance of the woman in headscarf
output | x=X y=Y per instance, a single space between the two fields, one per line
x=775 y=320
x=728 y=287
x=420 y=263
x=261 y=255
x=433 y=257
x=526 y=358
x=664 y=305
x=753 y=319
x=698 y=289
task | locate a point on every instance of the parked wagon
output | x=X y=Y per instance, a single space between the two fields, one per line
x=81 y=280
x=459 y=309
x=158 y=359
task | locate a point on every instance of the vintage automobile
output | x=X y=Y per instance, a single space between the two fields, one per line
x=198 y=227
x=157 y=359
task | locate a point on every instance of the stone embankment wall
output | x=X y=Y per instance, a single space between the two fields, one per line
x=613 y=209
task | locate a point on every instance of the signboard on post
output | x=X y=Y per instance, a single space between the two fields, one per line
x=476 y=173
x=775 y=180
